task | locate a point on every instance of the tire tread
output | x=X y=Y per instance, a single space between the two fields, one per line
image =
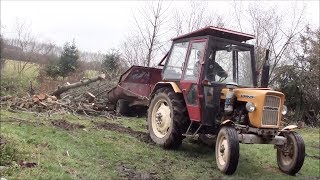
x=180 y=117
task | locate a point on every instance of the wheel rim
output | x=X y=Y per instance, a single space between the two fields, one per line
x=287 y=153
x=223 y=151
x=161 y=118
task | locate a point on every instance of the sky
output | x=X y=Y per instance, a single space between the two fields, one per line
x=98 y=26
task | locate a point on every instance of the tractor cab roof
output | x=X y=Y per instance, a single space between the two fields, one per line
x=217 y=32
x=212 y=31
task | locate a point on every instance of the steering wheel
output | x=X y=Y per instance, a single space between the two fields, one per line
x=212 y=75
x=222 y=79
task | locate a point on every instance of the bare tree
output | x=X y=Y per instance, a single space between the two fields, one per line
x=26 y=49
x=2 y=60
x=133 y=51
x=273 y=29
x=150 y=28
x=196 y=16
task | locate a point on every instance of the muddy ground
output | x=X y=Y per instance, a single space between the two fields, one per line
x=65 y=125
x=127 y=172
x=141 y=136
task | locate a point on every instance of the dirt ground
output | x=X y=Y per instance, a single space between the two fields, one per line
x=65 y=125
x=127 y=172
x=3 y=141
x=141 y=136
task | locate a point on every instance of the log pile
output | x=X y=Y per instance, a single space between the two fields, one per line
x=84 y=97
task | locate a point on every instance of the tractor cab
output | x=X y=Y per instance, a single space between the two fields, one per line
x=204 y=62
x=211 y=54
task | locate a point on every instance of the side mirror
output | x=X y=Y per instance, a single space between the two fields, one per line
x=265 y=71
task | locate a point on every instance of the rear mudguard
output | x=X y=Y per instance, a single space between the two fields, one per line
x=174 y=86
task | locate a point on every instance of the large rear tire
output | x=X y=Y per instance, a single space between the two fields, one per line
x=290 y=157
x=227 y=150
x=167 y=118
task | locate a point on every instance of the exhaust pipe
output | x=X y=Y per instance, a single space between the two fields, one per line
x=265 y=71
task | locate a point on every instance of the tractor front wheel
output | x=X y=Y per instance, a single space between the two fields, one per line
x=167 y=118
x=227 y=150
x=290 y=156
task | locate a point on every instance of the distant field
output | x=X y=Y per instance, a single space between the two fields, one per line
x=79 y=147
x=17 y=84
x=14 y=83
x=32 y=69
x=12 y=67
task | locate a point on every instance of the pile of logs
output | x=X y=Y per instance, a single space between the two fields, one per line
x=84 y=97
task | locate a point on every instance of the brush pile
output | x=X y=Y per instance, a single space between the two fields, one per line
x=87 y=97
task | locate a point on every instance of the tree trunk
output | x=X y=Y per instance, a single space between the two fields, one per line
x=62 y=89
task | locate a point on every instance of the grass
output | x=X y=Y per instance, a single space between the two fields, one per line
x=91 y=73
x=14 y=83
x=92 y=153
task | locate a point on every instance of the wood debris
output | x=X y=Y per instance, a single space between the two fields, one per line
x=85 y=97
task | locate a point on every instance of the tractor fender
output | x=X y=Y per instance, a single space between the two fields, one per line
x=227 y=122
x=174 y=86
x=290 y=127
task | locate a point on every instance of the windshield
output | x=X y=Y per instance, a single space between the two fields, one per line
x=230 y=63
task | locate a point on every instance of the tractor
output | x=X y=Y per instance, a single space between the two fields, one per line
x=209 y=88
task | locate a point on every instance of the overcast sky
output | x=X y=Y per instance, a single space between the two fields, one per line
x=99 y=25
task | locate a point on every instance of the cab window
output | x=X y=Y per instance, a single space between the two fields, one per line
x=173 y=69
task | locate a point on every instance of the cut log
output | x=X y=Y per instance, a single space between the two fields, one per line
x=64 y=88
x=90 y=97
x=35 y=99
x=5 y=98
x=41 y=96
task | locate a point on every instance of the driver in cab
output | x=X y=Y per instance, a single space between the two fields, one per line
x=213 y=68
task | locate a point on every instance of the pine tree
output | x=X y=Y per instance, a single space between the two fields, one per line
x=68 y=59
x=111 y=62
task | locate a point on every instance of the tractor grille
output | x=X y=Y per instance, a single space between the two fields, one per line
x=271 y=110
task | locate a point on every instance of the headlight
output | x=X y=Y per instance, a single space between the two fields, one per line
x=250 y=107
x=284 y=110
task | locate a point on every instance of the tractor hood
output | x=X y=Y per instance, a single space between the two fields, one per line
x=268 y=105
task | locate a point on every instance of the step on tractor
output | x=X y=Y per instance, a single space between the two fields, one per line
x=208 y=88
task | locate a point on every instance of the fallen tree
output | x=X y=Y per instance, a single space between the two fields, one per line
x=67 y=86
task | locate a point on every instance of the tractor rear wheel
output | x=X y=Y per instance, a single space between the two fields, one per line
x=227 y=150
x=167 y=118
x=290 y=156
x=122 y=107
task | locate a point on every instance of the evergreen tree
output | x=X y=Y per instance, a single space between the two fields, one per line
x=53 y=70
x=111 y=62
x=68 y=59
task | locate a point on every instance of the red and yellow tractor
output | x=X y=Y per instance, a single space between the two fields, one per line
x=209 y=88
